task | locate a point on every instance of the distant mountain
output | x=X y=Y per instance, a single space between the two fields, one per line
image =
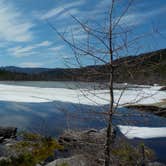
x=145 y=68
x=25 y=70
x=148 y=68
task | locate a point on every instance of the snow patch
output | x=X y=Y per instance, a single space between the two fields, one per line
x=142 y=95
x=142 y=132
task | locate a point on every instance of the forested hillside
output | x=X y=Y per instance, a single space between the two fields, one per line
x=146 y=68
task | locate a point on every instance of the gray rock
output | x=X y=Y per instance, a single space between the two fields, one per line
x=83 y=141
x=155 y=164
x=160 y=111
x=163 y=88
x=7 y=138
x=77 y=160
x=89 y=144
x=7 y=132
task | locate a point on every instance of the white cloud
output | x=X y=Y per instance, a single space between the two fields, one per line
x=21 y=51
x=60 y=10
x=14 y=27
x=73 y=27
x=73 y=30
x=137 y=18
x=58 y=48
x=131 y=19
x=67 y=13
x=30 y=64
x=52 y=12
x=28 y=50
x=44 y=44
x=103 y=4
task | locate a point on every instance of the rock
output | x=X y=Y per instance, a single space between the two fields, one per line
x=160 y=111
x=83 y=140
x=91 y=136
x=7 y=135
x=77 y=160
x=163 y=88
x=1 y=139
x=3 y=151
x=81 y=160
x=3 y=158
x=89 y=144
x=155 y=164
x=7 y=132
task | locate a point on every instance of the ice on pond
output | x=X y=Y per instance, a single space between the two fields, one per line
x=142 y=132
x=142 y=95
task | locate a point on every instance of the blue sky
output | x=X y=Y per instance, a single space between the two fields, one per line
x=26 y=40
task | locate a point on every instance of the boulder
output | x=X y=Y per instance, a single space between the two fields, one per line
x=160 y=111
x=77 y=160
x=163 y=88
x=89 y=144
x=155 y=164
x=7 y=133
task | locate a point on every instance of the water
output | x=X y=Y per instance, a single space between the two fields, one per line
x=51 y=118
x=57 y=84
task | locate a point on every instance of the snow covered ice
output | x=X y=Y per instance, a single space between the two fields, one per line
x=142 y=132
x=142 y=95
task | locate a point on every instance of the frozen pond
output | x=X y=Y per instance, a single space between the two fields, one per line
x=83 y=93
x=51 y=107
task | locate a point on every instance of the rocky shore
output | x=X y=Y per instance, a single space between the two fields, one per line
x=86 y=148
x=163 y=88
x=7 y=133
x=156 y=110
x=83 y=148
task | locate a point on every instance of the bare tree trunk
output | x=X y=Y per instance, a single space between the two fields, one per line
x=109 y=136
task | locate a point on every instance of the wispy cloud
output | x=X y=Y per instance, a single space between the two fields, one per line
x=68 y=13
x=61 y=10
x=21 y=51
x=14 y=27
x=136 y=18
x=104 y=4
x=30 y=64
x=57 y=48
x=44 y=44
x=28 y=50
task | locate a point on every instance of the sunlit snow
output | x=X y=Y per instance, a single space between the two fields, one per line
x=143 y=95
x=142 y=132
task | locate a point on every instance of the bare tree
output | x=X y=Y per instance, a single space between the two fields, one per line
x=104 y=43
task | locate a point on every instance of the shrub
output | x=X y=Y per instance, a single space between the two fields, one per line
x=128 y=155
x=31 y=149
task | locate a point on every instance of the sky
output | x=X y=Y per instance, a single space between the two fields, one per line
x=27 y=39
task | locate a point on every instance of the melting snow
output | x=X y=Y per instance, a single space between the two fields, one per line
x=142 y=132
x=142 y=95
